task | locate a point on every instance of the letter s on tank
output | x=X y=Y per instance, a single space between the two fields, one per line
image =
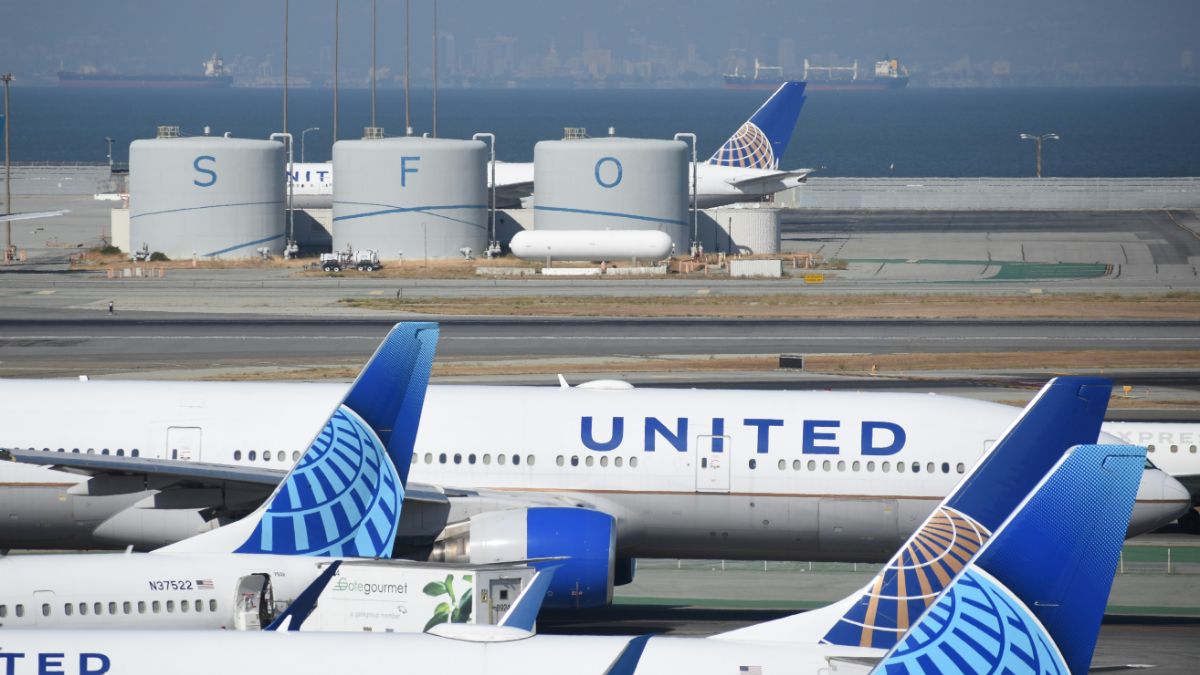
x=210 y=173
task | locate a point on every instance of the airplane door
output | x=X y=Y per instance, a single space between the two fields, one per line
x=43 y=606
x=713 y=461
x=183 y=443
x=254 y=606
x=502 y=592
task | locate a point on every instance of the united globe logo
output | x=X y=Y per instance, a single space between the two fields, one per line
x=342 y=499
x=748 y=148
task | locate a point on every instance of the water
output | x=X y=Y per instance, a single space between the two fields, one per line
x=955 y=133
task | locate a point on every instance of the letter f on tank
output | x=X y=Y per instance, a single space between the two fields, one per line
x=405 y=169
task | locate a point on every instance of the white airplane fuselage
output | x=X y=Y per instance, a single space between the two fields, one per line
x=686 y=473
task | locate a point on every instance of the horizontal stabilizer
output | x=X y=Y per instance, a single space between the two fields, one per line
x=304 y=604
x=523 y=613
x=799 y=176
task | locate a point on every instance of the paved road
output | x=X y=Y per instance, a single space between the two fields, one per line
x=183 y=338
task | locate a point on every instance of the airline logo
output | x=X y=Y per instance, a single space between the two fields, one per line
x=749 y=148
x=912 y=581
x=817 y=437
x=342 y=499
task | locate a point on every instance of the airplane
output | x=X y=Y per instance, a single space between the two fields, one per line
x=342 y=499
x=1172 y=446
x=1025 y=595
x=757 y=475
x=744 y=169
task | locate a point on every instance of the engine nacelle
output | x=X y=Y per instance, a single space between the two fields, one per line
x=584 y=538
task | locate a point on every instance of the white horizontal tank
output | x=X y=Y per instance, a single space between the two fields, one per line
x=206 y=196
x=590 y=245
x=410 y=197
x=613 y=184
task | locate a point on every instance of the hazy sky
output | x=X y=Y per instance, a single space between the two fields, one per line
x=157 y=36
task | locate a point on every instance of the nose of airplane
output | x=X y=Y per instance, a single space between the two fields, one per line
x=1161 y=500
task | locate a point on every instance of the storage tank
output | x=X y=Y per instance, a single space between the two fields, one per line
x=613 y=184
x=207 y=196
x=410 y=197
x=743 y=229
x=644 y=245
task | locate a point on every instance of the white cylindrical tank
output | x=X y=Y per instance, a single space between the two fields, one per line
x=207 y=196
x=613 y=184
x=644 y=245
x=410 y=197
x=743 y=229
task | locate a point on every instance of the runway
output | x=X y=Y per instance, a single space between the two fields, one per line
x=184 y=338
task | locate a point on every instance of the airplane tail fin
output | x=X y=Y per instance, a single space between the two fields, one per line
x=1067 y=412
x=343 y=497
x=1032 y=600
x=761 y=141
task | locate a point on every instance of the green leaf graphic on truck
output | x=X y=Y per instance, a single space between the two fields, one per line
x=457 y=609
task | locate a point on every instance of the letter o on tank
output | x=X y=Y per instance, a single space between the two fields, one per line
x=616 y=174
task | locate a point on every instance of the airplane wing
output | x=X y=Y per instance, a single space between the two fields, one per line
x=797 y=176
x=164 y=473
x=509 y=195
x=31 y=215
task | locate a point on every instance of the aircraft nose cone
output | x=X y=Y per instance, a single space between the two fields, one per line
x=1161 y=500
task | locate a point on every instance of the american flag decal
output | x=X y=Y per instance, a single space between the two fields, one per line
x=749 y=670
x=204 y=584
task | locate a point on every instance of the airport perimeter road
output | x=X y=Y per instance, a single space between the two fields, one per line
x=182 y=339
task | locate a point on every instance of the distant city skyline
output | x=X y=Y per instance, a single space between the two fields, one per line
x=669 y=43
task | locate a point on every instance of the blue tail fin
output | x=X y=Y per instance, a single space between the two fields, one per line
x=1067 y=412
x=343 y=497
x=761 y=141
x=1032 y=600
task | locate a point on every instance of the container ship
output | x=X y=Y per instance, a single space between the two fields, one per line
x=215 y=75
x=889 y=74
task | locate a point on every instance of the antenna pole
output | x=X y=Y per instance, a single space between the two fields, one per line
x=286 y=4
x=374 y=25
x=435 y=65
x=336 y=34
x=407 y=118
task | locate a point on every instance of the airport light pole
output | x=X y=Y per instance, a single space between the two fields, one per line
x=695 y=197
x=1038 y=140
x=8 y=247
x=491 y=139
x=109 y=140
x=302 y=133
x=337 y=6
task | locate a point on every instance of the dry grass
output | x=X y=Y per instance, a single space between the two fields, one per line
x=803 y=304
x=1054 y=361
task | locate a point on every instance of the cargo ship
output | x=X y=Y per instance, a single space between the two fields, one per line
x=215 y=75
x=889 y=74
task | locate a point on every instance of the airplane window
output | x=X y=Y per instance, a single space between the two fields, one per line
x=134 y=453
x=916 y=467
x=501 y=459
x=237 y=455
x=574 y=460
x=60 y=449
x=487 y=458
x=184 y=606
x=266 y=455
x=141 y=606
x=442 y=458
x=812 y=465
x=589 y=461
x=458 y=458
x=945 y=467
x=46 y=609
x=841 y=465
x=782 y=464
x=604 y=458
x=98 y=608
x=155 y=606
x=899 y=467
x=19 y=611
x=45 y=449
x=252 y=455
x=83 y=609
x=112 y=608
x=126 y=607
x=199 y=604
x=170 y=605
x=120 y=452
x=1174 y=448
x=295 y=455
x=753 y=463
x=281 y=455
x=1192 y=449
x=855 y=466
x=91 y=451
x=961 y=468
x=633 y=462
x=471 y=458
x=75 y=451
x=797 y=464
x=529 y=459
x=930 y=468
x=825 y=466
x=212 y=605
x=3 y=611
x=516 y=460
x=1150 y=448
x=559 y=460
x=68 y=609
x=618 y=461
x=429 y=458
x=104 y=451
